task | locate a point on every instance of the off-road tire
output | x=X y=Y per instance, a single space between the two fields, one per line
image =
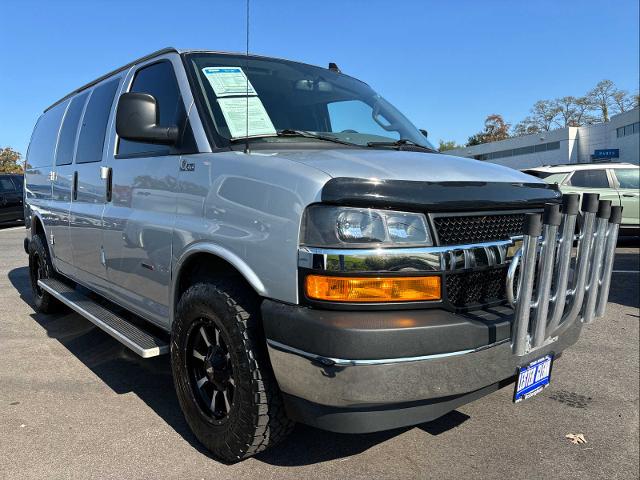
x=256 y=419
x=40 y=267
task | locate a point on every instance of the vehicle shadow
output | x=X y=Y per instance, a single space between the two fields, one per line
x=150 y=379
x=18 y=223
x=624 y=280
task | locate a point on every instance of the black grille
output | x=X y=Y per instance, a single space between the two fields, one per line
x=478 y=228
x=479 y=287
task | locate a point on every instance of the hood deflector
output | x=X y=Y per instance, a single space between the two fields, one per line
x=438 y=196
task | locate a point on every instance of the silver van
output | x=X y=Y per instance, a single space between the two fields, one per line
x=300 y=250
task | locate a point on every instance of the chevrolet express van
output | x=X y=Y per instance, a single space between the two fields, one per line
x=299 y=249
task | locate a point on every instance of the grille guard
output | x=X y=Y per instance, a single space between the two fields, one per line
x=551 y=279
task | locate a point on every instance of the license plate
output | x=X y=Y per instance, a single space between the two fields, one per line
x=533 y=378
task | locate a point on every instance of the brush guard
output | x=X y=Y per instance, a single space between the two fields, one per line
x=557 y=284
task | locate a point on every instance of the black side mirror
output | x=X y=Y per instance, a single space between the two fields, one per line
x=424 y=132
x=137 y=120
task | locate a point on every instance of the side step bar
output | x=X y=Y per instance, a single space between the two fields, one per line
x=141 y=342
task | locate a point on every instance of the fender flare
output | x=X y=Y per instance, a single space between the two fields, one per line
x=36 y=216
x=234 y=260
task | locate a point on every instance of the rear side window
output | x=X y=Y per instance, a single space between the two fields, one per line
x=45 y=135
x=160 y=81
x=6 y=185
x=589 y=179
x=69 y=131
x=94 y=123
x=628 y=177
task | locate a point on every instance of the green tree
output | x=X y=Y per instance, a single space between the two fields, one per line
x=445 y=145
x=10 y=161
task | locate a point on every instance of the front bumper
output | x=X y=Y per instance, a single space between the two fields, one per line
x=372 y=370
x=349 y=395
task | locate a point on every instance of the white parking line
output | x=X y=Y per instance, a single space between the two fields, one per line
x=626 y=271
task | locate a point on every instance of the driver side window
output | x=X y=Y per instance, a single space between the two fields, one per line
x=356 y=116
x=159 y=80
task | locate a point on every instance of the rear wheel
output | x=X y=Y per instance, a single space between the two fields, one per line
x=41 y=268
x=222 y=375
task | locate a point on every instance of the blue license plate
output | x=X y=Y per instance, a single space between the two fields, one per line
x=533 y=378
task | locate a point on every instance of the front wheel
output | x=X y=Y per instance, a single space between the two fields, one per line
x=222 y=375
x=41 y=268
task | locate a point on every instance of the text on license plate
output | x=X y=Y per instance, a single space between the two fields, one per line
x=533 y=378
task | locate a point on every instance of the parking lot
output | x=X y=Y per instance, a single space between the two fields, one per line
x=75 y=403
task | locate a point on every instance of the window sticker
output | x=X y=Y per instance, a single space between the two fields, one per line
x=234 y=111
x=227 y=81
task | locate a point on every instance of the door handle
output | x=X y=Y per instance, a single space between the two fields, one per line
x=74 y=186
x=106 y=173
x=53 y=176
x=629 y=195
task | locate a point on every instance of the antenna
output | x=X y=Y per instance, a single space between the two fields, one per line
x=246 y=74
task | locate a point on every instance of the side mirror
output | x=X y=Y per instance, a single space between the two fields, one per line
x=137 y=120
x=424 y=132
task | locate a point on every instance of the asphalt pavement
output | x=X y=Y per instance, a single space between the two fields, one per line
x=74 y=403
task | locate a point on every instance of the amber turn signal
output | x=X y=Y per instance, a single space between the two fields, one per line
x=373 y=289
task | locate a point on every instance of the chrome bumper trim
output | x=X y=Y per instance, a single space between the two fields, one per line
x=341 y=362
x=435 y=376
x=430 y=259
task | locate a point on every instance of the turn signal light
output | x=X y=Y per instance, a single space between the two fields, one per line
x=373 y=289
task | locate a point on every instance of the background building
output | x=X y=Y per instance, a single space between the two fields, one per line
x=617 y=140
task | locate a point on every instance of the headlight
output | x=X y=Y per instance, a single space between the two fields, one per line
x=328 y=226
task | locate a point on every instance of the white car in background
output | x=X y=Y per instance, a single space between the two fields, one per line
x=618 y=182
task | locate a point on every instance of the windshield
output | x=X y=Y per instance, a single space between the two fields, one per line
x=293 y=100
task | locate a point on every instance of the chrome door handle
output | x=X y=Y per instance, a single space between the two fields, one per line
x=74 y=186
x=53 y=176
x=106 y=174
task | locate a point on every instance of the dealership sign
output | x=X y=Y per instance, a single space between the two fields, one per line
x=606 y=153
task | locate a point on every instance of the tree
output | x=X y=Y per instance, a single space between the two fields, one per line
x=443 y=145
x=623 y=101
x=573 y=111
x=526 y=127
x=495 y=129
x=602 y=98
x=544 y=115
x=583 y=112
x=10 y=161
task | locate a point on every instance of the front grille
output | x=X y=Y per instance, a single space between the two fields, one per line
x=459 y=230
x=466 y=289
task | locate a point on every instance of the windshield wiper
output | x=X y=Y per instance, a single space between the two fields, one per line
x=399 y=144
x=287 y=132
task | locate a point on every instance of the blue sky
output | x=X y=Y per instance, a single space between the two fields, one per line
x=446 y=65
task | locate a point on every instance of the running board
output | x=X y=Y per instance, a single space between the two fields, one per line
x=129 y=334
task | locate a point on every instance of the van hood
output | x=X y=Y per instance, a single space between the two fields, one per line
x=403 y=165
x=422 y=181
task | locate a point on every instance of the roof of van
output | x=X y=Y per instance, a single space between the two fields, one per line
x=113 y=72
x=580 y=166
x=157 y=53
